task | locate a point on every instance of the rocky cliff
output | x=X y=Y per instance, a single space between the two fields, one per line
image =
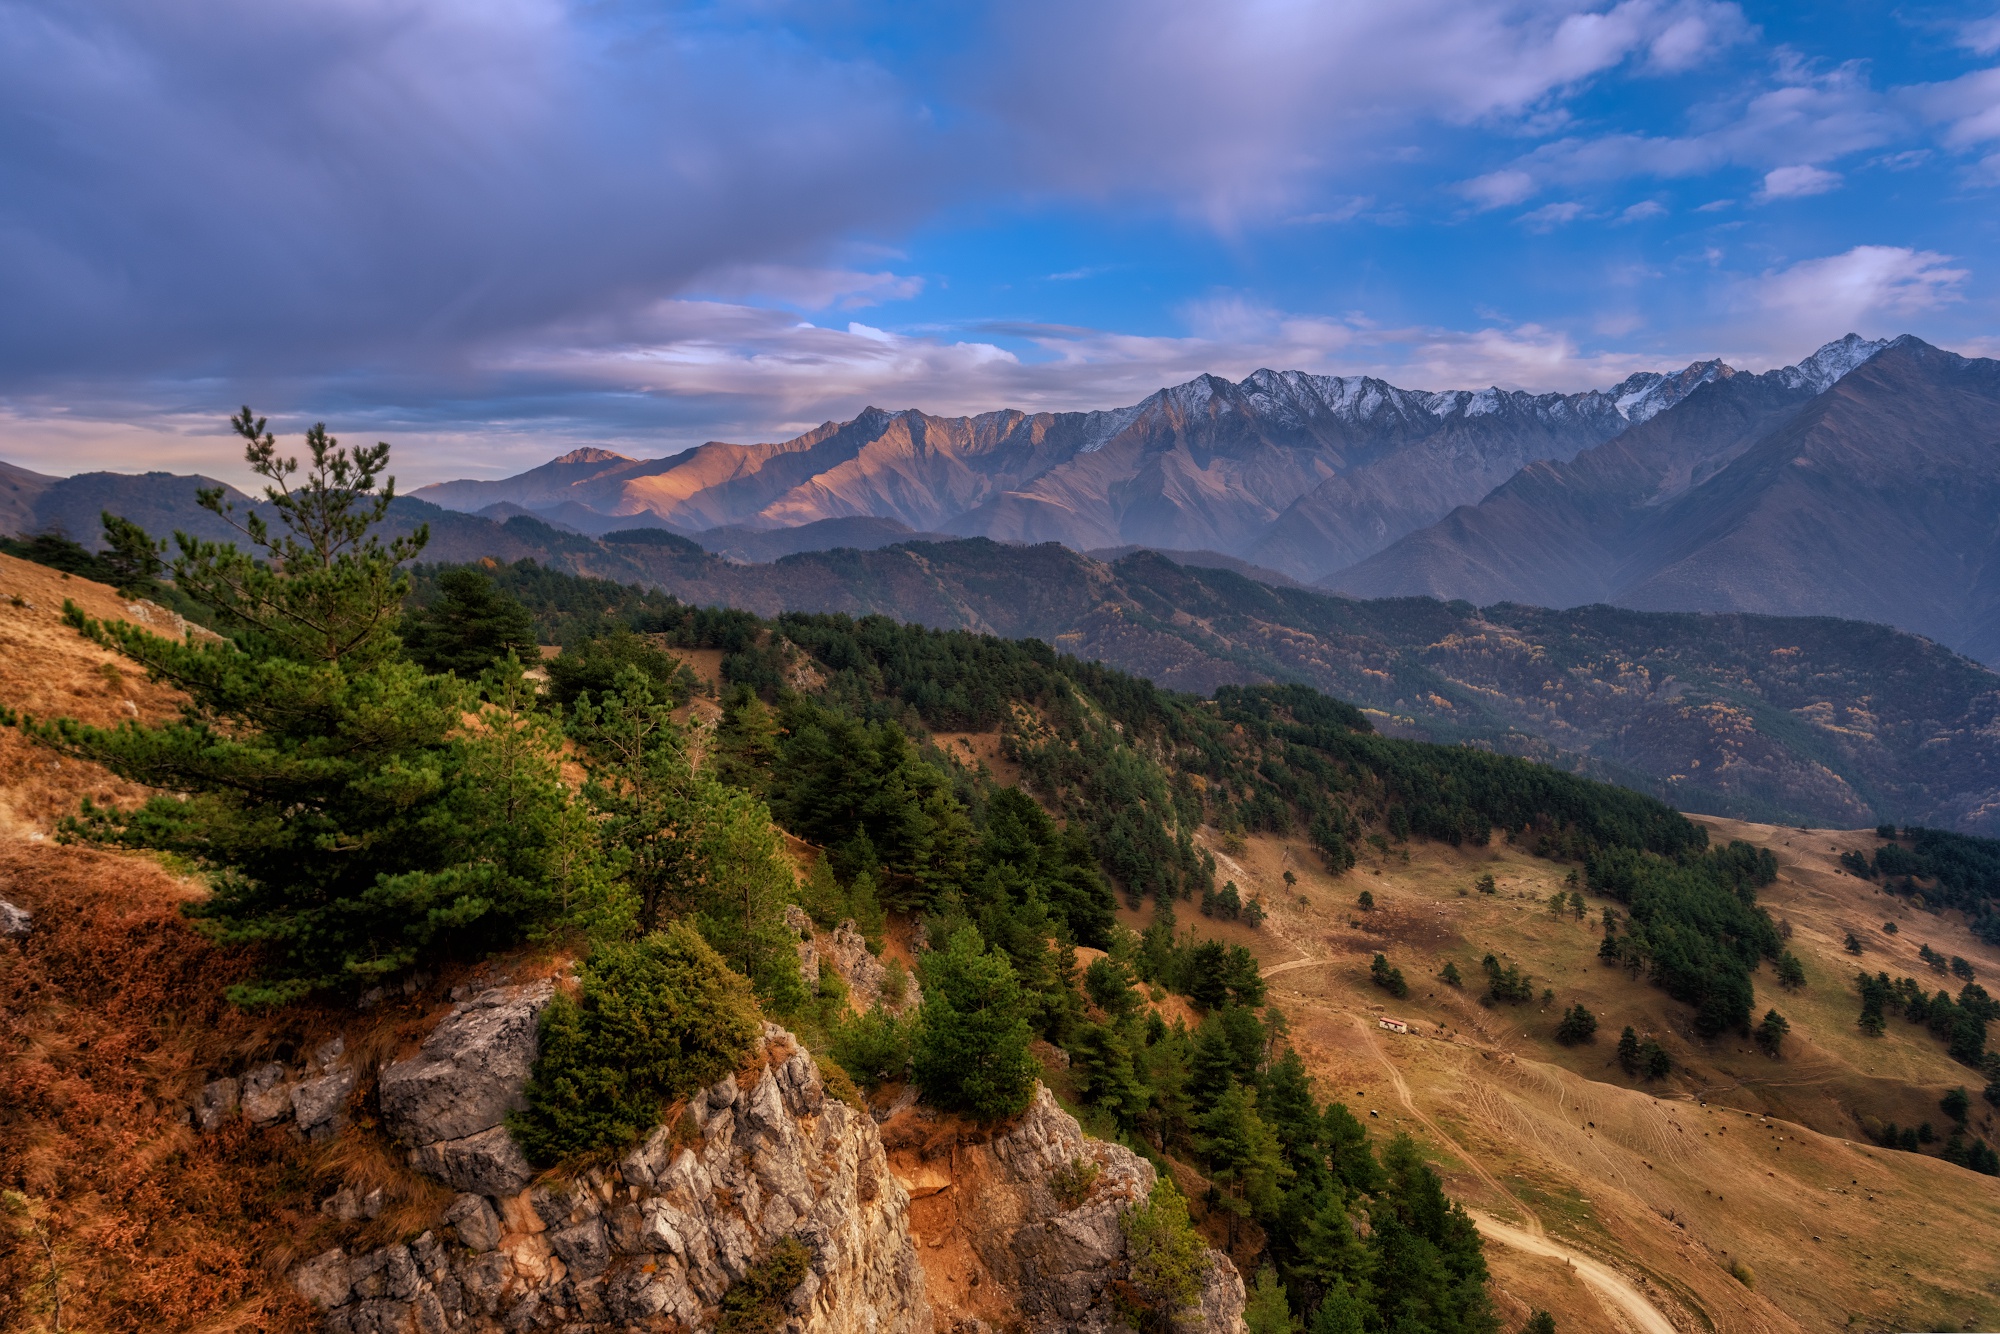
x=1020 y=1224
x=1021 y=1227
x=653 y=1241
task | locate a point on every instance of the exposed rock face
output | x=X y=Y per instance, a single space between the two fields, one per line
x=847 y=952
x=1012 y=1201
x=448 y=1101
x=471 y=1069
x=663 y=1235
x=14 y=922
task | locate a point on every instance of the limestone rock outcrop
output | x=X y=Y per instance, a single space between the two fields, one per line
x=1040 y=1208
x=448 y=1102
x=655 y=1241
x=847 y=953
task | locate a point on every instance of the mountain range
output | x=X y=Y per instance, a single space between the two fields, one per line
x=1877 y=499
x=1304 y=473
x=1860 y=483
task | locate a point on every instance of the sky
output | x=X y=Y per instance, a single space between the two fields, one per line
x=490 y=231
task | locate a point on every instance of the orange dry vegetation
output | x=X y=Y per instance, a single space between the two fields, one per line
x=48 y=670
x=110 y=1010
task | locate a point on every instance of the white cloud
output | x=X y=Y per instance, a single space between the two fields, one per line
x=1644 y=209
x=1981 y=36
x=804 y=286
x=1871 y=289
x=1808 y=119
x=1231 y=112
x=1797 y=182
x=1498 y=189
x=1551 y=216
x=1968 y=107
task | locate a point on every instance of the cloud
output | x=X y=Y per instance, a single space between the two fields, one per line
x=1808 y=119
x=1797 y=183
x=1981 y=36
x=1870 y=289
x=1230 y=117
x=1498 y=189
x=225 y=187
x=1644 y=209
x=1968 y=107
x=806 y=287
x=1551 y=216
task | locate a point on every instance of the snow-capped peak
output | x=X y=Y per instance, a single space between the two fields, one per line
x=1819 y=371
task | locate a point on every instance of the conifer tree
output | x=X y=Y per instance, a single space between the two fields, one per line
x=971 y=1048
x=1578 y=1025
x=1267 y=1311
x=349 y=821
x=1771 y=1032
x=467 y=627
x=1628 y=1051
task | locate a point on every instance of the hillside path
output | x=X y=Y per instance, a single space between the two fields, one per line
x=1610 y=1287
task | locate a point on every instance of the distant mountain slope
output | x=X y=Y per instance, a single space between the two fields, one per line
x=1301 y=473
x=19 y=489
x=1796 y=720
x=769 y=544
x=1873 y=496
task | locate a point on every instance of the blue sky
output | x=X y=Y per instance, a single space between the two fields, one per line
x=492 y=230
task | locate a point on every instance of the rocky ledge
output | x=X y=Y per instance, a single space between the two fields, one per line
x=650 y=1243
x=1040 y=1206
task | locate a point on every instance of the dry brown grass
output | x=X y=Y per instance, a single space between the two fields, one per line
x=1644 y=1175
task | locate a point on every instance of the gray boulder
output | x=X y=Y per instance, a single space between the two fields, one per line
x=324 y=1280
x=320 y=1105
x=477 y=1224
x=266 y=1100
x=470 y=1071
x=14 y=922
x=488 y=1163
x=219 y=1097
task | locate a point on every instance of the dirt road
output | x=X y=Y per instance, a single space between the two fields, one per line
x=1611 y=1287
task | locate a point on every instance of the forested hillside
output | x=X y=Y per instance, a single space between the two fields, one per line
x=1792 y=720
x=1799 y=720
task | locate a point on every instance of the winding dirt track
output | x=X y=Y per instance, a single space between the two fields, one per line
x=1611 y=1288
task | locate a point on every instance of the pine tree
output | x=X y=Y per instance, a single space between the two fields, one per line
x=1267 y=1311
x=1243 y=1155
x=1771 y=1033
x=350 y=822
x=1578 y=1025
x=1166 y=1256
x=971 y=1048
x=1628 y=1051
x=654 y=1020
x=1341 y=1311
x=468 y=627
x=131 y=557
x=1791 y=973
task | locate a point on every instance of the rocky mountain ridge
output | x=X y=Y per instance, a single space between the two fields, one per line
x=1871 y=497
x=1303 y=472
